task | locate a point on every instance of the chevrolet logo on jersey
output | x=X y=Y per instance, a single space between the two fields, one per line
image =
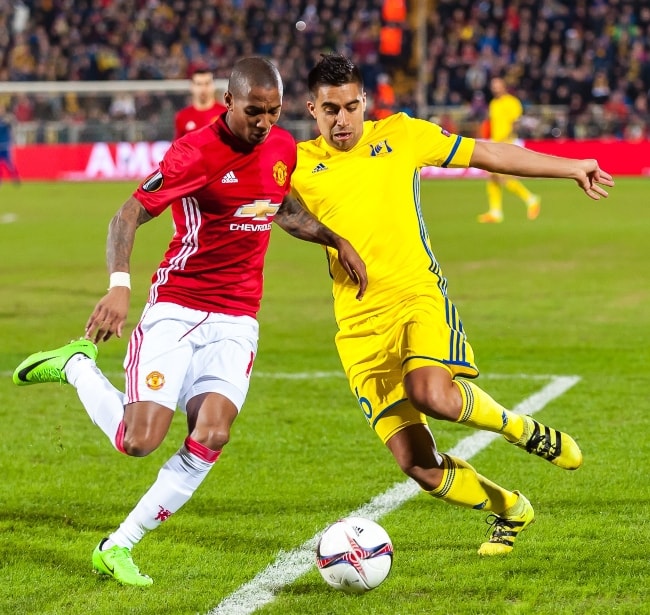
x=258 y=210
x=381 y=148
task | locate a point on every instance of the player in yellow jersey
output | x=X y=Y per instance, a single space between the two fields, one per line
x=403 y=347
x=504 y=112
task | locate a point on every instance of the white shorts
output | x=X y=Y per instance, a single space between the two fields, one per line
x=176 y=353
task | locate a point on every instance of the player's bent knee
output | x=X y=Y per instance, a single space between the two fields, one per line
x=214 y=439
x=427 y=478
x=135 y=446
x=136 y=451
x=145 y=427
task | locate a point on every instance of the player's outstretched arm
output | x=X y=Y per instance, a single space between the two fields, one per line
x=299 y=223
x=510 y=159
x=110 y=313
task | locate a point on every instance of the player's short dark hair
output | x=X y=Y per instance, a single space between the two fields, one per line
x=254 y=71
x=335 y=70
x=202 y=70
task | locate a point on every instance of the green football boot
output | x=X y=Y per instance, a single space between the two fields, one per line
x=48 y=365
x=117 y=562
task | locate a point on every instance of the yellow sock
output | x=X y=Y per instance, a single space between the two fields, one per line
x=516 y=187
x=463 y=486
x=482 y=412
x=495 y=195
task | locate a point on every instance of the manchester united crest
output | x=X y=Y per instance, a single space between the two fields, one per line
x=155 y=381
x=280 y=173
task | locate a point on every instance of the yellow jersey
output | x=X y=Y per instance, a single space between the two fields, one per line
x=504 y=113
x=371 y=196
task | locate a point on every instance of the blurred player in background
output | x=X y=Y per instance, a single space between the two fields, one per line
x=6 y=143
x=504 y=112
x=404 y=349
x=204 y=108
x=196 y=341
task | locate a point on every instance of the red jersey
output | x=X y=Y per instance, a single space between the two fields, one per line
x=223 y=195
x=190 y=118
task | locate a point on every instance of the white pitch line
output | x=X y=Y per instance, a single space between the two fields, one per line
x=290 y=565
x=8 y=218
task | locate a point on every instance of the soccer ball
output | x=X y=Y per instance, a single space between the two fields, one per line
x=354 y=555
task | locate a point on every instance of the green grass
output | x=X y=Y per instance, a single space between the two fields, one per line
x=567 y=294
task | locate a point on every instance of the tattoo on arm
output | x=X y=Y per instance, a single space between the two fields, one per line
x=299 y=223
x=121 y=234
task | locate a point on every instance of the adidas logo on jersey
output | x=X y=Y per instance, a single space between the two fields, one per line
x=229 y=178
x=319 y=167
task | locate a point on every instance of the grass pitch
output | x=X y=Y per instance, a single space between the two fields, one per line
x=567 y=294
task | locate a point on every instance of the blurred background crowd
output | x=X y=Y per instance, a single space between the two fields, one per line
x=581 y=68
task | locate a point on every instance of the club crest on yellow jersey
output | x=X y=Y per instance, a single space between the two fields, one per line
x=381 y=148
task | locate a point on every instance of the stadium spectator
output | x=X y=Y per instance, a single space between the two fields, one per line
x=196 y=341
x=600 y=90
x=616 y=113
x=404 y=351
x=122 y=107
x=384 y=103
x=23 y=108
x=6 y=144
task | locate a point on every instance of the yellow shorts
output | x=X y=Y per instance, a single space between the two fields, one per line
x=378 y=351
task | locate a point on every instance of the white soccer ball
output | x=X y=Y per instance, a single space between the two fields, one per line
x=354 y=555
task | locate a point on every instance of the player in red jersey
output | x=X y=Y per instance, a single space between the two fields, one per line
x=196 y=341
x=204 y=108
